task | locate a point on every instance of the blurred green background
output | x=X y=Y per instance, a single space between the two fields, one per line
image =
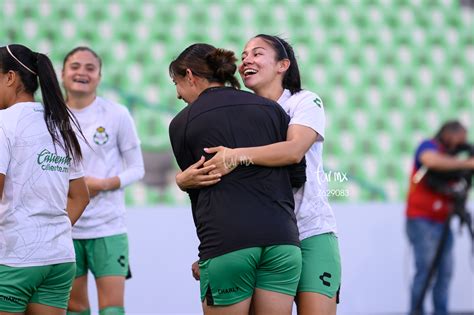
x=389 y=72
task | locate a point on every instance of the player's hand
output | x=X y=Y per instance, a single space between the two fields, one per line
x=197 y=176
x=224 y=160
x=195 y=270
x=94 y=184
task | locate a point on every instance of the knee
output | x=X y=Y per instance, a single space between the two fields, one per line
x=78 y=306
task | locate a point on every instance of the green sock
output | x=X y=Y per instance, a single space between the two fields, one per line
x=112 y=310
x=86 y=312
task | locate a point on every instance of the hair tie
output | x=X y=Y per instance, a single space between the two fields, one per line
x=282 y=46
x=21 y=63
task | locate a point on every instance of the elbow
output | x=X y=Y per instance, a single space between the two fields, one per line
x=296 y=158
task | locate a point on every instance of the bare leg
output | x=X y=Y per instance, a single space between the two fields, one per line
x=241 y=308
x=311 y=303
x=41 y=309
x=79 y=301
x=269 y=302
x=111 y=291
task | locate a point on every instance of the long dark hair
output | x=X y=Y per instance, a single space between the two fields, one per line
x=36 y=70
x=283 y=50
x=206 y=61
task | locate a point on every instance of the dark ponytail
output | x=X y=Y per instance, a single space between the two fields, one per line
x=213 y=64
x=57 y=114
x=33 y=67
x=283 y=50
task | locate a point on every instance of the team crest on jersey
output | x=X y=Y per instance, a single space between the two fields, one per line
x=100 y=136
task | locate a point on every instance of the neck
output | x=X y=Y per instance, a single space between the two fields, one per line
x=21 y=98
x=207 y=85
x=80 y=101
x=272 y=93
x=213 y=84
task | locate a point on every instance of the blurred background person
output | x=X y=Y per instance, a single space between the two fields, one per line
x=428 y=209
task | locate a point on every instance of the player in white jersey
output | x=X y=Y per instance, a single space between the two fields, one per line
x=113 y=161
x=42 y=188
x=269 y=68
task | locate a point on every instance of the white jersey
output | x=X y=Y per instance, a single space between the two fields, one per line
x=35 y=229
x=110 y=131
x=313 y=212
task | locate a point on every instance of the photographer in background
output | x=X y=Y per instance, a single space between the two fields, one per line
x=428 y=209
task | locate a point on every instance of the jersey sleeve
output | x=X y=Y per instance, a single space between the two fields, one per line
x=426 y=145
x=5 y=150
x=309 y=112
x=127 y=136
x=134 y=168
x=76 y=170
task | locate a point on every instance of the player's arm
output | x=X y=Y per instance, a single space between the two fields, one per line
x=195 y=270
x=4 y=159
x=130 y=150
x=77 y=198
x=299 y=139
x=443 y=162
x=133 y=171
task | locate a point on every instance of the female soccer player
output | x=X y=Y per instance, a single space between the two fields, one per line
x=269 y=68
x=246 y=226
x=42 y=188
x=112 y=161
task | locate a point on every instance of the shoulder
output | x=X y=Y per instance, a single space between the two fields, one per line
x=179 y=118
x=112 y=107
x=428 y=144
x=9 y=117
x=307 y=98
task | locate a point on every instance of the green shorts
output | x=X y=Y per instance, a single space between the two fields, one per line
x=105 y=256
x=321 y=271
x=48 y=285
x=232 y=277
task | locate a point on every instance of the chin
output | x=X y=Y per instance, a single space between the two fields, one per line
x=81 y=91
x=248 y=83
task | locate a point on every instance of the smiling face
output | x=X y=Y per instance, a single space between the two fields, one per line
x=259 y=69
x=81 y=74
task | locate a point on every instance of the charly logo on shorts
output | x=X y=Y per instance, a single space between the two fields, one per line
x=50 y=161
x=100 y=136
x=12 y=299
x=324 y=276
x=228 y=290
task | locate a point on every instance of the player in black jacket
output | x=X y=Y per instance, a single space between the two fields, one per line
x=249 y=246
